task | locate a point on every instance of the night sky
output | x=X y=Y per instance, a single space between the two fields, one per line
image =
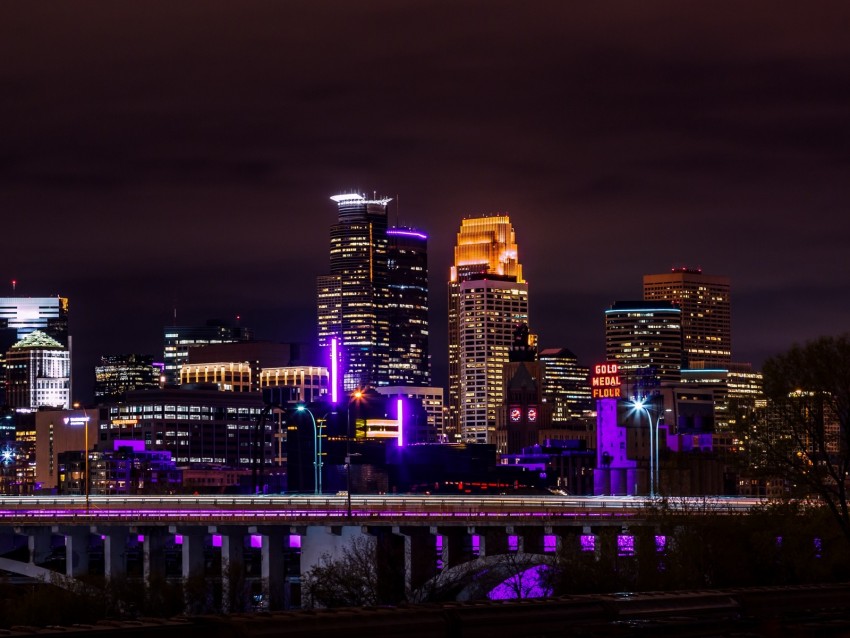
x=156 y=155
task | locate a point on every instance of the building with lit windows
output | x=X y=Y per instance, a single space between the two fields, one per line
x=352 y=298
x=309 y=382
x=19 y=316
x=488 y=298
x=706 y=313
x=117 y=374
x=204 y=427
x=433 y=430
x=566 y=384
x=228 y=376
x=407 y=265
x=645 y=340
x=179 y=339
x=38 y=373
x=257 y=354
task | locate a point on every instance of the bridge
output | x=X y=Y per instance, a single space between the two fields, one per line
x=426 y=536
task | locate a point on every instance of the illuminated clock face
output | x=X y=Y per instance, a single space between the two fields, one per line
x=516 y=415
x=532 y=414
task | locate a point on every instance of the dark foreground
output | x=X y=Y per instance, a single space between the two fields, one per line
x=822 y=611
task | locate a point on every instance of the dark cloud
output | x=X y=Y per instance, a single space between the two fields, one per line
x=182 y=154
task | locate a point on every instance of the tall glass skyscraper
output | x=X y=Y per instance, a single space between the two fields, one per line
x=407 y=265
x=353 y=297
x=488 y=299
x=706 y=313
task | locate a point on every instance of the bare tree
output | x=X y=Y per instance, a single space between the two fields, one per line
x=351 y=580
x=804 y=436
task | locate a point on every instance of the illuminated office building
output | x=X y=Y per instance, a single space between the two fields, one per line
x=706 y=313
x=117 y=374
x=179 y=339
x=407 y=264
x=488 y=299
x=353 y=297
x=310 y=383
x=19 y=316
x=566 y=384
x=38 y=373
x=645 y=340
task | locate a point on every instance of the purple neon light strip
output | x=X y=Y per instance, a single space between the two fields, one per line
x=407 y=233
x=334 y=395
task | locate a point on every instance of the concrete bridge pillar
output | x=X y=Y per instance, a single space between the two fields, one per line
x=77 y=541
x=420 y=558
x=153 y=555
x=491 y=540
x=272 y=564
x=192 y=549
x=232 y=564
x=114 y=550
x=39 y=542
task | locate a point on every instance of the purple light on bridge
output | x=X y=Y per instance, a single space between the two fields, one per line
x=530 y=583
x=476 y=544
x=550 y=543
x=818 y=543
x=660 y=544
x=513 y=543
x=294 y=541
x=256 y=541
x=216 y=540
x=140 y=538
x=178 y=539
x=588 y=542
x=625 y=545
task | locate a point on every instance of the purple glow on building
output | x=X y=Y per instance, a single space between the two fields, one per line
x=294 y=541
x=256 y=541
x=400 y=405
x=513 y=543
x=625 y=545
x=407 y=233
x=660 y=544
x=588 y=542
x=550 y=543
x=216 y=540
x=526 y=584
x=178 y=539
x=334 y=371
x=135 y=446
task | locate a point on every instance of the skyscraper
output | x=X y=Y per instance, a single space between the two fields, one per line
x=706 y=313
x=645 y=339
x=353 y=297
x=488 y=298
x=178 y=340
x=566 y=384
x=38 y=373
x=19 y=316
x=117 y=374
x=407 y=264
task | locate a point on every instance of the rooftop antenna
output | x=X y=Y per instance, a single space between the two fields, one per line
x=14 y=285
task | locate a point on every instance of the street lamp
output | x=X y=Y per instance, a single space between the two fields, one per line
x=356 y=397
x=640 y=405
x=317 y=450
x=86 y=451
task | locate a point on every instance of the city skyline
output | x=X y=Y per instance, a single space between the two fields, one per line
x=190 y=166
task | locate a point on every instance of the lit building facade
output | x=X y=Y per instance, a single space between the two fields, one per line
x=645 y=340
x=19 y=316
x=566 y=384
x=407 y=264
x=352 y=298
x=433 y=431
x=706 y=313
x=178 y=340
x=310 y=382
x=117 y=374
x=38 y=373
x=488 y=298
x=227 y=376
